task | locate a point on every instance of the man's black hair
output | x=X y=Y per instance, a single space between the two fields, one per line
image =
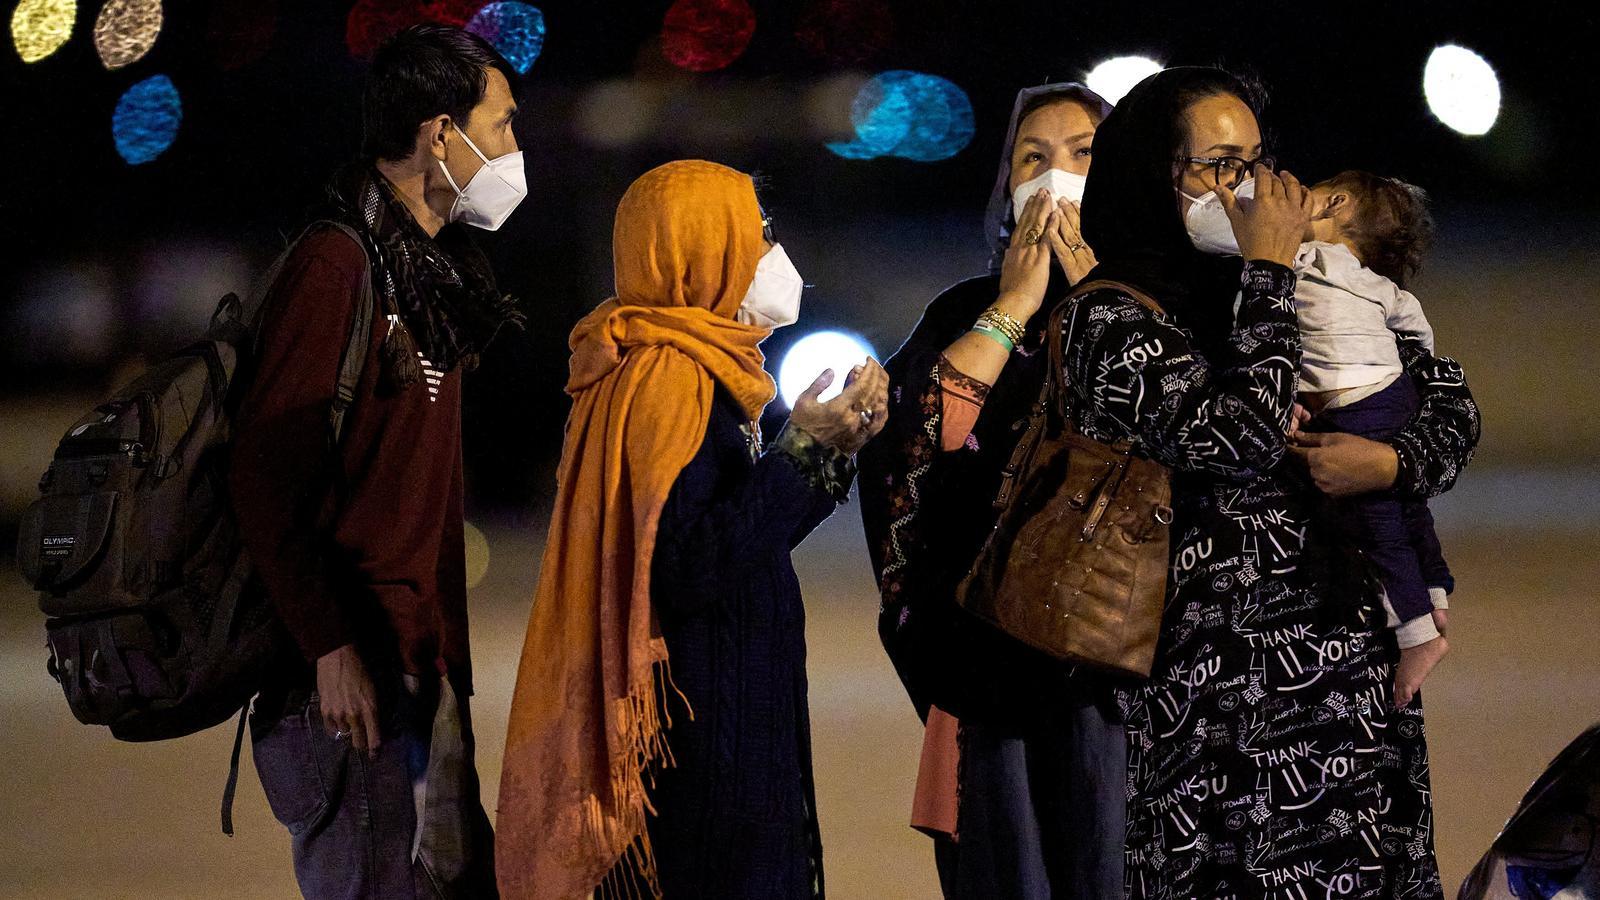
x=423 y=72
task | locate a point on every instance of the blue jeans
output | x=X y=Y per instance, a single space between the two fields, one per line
x=352 y=818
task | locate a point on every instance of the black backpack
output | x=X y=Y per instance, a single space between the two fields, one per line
x=157 y=627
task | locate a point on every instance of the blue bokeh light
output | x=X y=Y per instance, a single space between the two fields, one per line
x=911 y=115
x=515 y=29
x=146 y=119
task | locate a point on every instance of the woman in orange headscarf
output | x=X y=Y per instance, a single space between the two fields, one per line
x=670 y=540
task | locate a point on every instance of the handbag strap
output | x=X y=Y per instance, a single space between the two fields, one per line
x=1057 y=382
x=1055 y=386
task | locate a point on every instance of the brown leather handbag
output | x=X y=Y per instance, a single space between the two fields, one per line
x=1077 y=563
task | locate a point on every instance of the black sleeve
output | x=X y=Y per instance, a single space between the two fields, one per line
x=1139 y=370
x=711 y=532
x=1438 y=443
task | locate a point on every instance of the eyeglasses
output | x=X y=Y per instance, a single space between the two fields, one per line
x=766 y=230
x=1231 y=170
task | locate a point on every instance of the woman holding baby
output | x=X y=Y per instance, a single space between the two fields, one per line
x=1267 y=754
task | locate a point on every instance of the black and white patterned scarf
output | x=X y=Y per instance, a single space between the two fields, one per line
x=438 y=292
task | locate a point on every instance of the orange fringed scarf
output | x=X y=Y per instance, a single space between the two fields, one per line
x=587 y=717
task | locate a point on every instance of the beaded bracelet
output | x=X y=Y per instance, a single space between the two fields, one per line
x=1005 y=323
x=996 y=335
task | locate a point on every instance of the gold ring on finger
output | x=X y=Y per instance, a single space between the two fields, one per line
x=1033 y=235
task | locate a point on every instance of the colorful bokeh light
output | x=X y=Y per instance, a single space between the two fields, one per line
x=911 y=115
x=371 y=22
x=40 y=27
x=515 y=29
x=706 y=35
x=846 y=32
x=125 y=31
x=146 y=120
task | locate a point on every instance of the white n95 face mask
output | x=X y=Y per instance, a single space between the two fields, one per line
x=1063 y=185
x=1207 y=222
x=773 y=299
x=489 y=198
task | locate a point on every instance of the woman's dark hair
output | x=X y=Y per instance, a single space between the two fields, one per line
x=1391 y=226
x=423 y=72
x=1135 y=151
x=1130 y=206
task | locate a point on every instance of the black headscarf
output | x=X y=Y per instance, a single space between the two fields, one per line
x=997 y=219
x=1130 y=209
x=440 y=288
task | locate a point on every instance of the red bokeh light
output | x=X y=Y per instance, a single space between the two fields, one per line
x=371 y=21
x=706 y=35
x=846 y=32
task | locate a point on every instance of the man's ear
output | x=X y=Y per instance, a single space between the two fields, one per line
x=431 y=135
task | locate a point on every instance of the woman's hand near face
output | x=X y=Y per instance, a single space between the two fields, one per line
x=1271 y=225
x=839 y=423
x=1025 y=271
x=1066 y=242
x=1344 y=465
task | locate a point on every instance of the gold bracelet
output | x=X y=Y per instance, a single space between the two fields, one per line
x=989 y=319
x=1004 y=322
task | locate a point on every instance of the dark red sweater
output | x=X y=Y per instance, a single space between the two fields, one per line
x=364 y=544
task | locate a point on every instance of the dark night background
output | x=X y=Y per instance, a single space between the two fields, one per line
x=107 y=266
x=257 y=141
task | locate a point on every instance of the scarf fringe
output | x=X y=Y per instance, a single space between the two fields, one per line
x=400 y=363
x=645 y=719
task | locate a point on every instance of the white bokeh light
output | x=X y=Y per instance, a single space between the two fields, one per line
x=1462 y=89
x=812 y=354
x=1115 y=77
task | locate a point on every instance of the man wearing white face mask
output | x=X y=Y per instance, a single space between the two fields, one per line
x=347 y=482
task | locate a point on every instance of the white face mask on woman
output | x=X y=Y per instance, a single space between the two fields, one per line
x=1207 y=222
x=1063 y=185
x=488 y=199
x=773 y=299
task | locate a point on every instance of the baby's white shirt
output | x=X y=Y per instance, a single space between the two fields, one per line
x=1349 y=318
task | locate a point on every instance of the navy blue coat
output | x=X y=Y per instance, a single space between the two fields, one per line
x=737 y=814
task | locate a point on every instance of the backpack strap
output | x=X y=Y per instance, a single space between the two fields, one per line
x=355 y=351
x=354 y=357
x=233 y=772
x=351 y=362
x=233 y=589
